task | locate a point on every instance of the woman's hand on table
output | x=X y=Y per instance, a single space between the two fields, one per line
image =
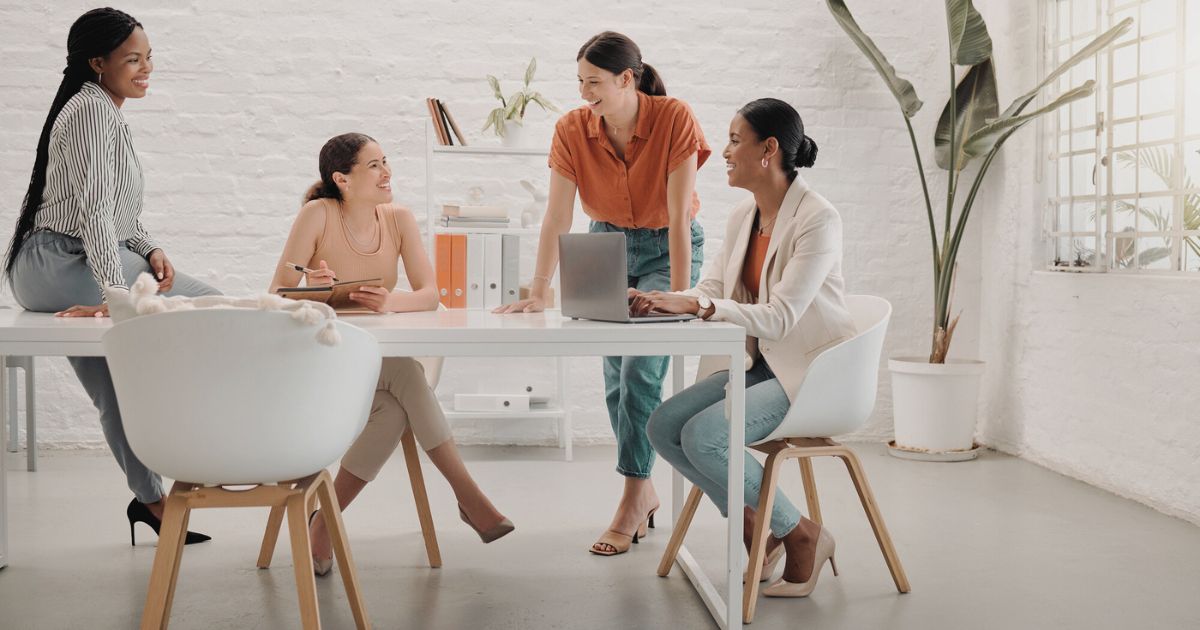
x=527 y=305
x=84 y=311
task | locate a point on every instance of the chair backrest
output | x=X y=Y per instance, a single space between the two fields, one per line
x=231 y=396
x=838 y=392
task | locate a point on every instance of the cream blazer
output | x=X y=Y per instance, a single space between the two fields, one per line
x=800 y=309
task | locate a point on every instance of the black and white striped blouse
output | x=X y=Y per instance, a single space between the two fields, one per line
x=94 y=183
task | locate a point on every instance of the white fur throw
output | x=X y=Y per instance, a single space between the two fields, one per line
x=143 y=299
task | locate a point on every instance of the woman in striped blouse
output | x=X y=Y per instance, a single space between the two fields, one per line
x=79 y=231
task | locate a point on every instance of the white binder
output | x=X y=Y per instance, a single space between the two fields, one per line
x=510 y=269
x=493 y=264
x=475 y=274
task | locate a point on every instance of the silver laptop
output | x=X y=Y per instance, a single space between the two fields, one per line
x=595 y=279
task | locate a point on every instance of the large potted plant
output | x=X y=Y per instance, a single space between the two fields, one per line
x=935 y=400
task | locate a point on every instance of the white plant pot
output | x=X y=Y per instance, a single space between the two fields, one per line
x=513 y=133
x=935 y=407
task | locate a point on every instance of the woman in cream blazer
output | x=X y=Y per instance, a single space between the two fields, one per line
x=779 y=276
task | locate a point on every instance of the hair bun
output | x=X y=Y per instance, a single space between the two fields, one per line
x=806 y=156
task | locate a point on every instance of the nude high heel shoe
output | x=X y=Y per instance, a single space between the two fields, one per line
x=618 y=542
x=501 y=529
x=824 y=551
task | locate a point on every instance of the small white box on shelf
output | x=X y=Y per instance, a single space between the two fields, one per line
x=491 y=402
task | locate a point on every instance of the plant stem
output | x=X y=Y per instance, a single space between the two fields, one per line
x=937 y=257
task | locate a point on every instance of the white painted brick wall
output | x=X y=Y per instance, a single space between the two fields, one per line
x=245 y=93
x=1091 y=376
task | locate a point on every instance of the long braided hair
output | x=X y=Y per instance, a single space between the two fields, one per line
x=95 y=34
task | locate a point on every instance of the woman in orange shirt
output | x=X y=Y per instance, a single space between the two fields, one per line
x=631 y=153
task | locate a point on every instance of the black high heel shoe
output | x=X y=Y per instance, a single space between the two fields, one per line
x=139 y=513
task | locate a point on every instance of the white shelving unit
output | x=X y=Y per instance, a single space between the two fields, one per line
x=558 y=410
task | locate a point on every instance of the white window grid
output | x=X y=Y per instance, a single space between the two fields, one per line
x=1124 y=186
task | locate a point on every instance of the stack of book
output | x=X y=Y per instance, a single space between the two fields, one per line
x=473 y=216
x=443 y=123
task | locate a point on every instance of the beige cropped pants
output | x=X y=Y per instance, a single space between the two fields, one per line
x=403 y=398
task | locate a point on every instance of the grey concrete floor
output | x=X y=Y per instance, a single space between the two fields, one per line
x=995 y=543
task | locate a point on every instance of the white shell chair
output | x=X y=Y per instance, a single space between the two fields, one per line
x=217 y=397
x=416 y=479
x=836 y=397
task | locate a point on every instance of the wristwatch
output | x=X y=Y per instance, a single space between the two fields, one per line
x=705 y=304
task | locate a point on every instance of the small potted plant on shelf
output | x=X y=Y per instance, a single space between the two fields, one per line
x=508 y=119
x=935 y=399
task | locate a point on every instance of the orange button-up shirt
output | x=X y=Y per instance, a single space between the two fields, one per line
x=629 y=193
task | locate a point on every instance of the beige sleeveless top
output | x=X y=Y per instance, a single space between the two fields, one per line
x=352 y=260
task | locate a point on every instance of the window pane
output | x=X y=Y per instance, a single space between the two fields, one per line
x=1158 y=54
x=1122 y=251
x=1191 y=166
x=1064 y=177
x=1064 y=21
x=1158 y=129
x=1124 y=63
x=1191 y=254
x=1083 y=140
x=1157 y=15
x=1064 y=142
x=1156 y=166
x=1124 y=173
x=1154 y=253
x=1083 y=252
x=1192 y=99
x=1084 y=13
x=1082 y=173
x=1083 y=111
x=1084 y=71
x=1158 y=94
x=1124 y=101
x=1155 y=214
x=1125 y=215
x=1124 y=134
x=1084 y=213
x=1193 y=31
x=1062 y=217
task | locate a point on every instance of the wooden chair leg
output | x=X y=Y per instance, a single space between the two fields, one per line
x=876 y=519
x=270 y=537
x=166 y=557
x=306 y=585
x=417 y=480
x=180 y=543
x=758 y=544
x=341 y=549
x=680 y=531
x=810 y=489
x=811 y=497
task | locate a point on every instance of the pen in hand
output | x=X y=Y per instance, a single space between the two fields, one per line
x=303 y=269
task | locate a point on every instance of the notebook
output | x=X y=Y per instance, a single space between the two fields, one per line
x=336 y=295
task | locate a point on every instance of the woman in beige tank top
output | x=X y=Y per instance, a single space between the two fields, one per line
x=348 y=229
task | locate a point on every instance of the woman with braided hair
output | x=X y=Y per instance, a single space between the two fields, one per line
x=79 y=230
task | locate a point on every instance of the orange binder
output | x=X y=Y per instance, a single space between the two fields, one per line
x=442 y=247
x=458 y=271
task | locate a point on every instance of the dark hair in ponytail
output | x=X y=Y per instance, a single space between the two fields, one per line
x=95 y=34
x=339 y=155
x=617 y=53
x=773 y=118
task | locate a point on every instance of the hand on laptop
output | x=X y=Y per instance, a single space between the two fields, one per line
x=661 y=302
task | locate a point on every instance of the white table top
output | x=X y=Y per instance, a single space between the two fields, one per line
x=43 y=334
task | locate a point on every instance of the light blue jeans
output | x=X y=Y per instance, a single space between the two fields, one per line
x=690 y=431
x=51 y=274
x=633 y=385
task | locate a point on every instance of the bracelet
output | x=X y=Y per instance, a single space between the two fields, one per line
x=542 y=278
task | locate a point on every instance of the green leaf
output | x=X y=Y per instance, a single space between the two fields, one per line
x=541 y=100
x=969 y=40
x=530 y=70
x=495 y=87
x=981 y=141
x=901 y=89
x=515 y=103
x=1093 y=47
x=976 y=102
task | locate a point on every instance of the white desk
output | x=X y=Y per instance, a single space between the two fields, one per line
x=463 y=333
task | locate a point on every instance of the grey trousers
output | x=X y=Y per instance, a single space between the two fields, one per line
x=51 y=274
